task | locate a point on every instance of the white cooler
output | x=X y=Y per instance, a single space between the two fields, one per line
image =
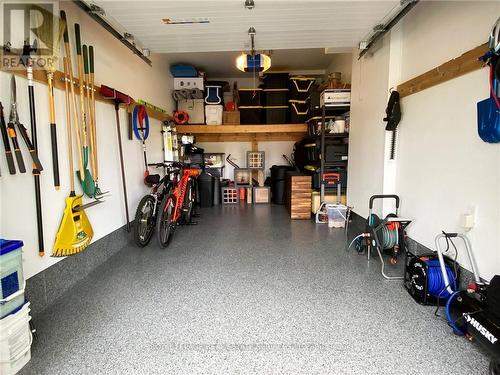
x=213 y=114
x=15 y=341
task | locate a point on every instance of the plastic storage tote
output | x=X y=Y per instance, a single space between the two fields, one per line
x=274 y=97
x=250 y=115
x=249 y=97
x=15 y=341
x=11 y=276
x=299 y=111
x=276 y=114
x=276 y=80
x=337 y=215
x=300 y=87
x=213 y=114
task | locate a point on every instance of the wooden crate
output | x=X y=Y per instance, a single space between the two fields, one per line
x=298 y=195
x=231 y=117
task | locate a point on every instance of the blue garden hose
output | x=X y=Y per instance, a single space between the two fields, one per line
x=451 y=322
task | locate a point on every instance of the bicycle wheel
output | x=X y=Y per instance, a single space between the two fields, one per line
x=164 y=225
x=144 y=223
x=189 y=201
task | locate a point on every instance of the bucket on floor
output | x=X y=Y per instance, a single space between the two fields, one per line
x=11 y=276
x=15 y=341
x=337 y=215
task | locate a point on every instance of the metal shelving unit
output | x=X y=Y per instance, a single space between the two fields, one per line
x=323 y=136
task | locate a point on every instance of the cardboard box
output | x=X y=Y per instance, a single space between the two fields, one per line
x=231 y=118
x=335 y=97
x=188 y=83
x=195 y=108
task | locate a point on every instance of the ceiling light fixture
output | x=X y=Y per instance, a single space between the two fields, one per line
x=253 y=62
x=249 y=4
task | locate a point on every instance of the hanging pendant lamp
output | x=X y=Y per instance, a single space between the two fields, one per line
x=253 y=62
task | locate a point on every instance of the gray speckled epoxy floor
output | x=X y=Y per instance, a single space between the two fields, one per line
x=252 y=292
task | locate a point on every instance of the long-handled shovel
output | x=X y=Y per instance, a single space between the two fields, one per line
x=119 y=98
x=86 y=179
x=75 y=231
x=28 y=61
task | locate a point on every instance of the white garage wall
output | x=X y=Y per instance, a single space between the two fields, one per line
x=341 y=62
x=443 y=167
x=117 y=67
x=366 y=138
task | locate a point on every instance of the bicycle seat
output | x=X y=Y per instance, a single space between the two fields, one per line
x=152 y=179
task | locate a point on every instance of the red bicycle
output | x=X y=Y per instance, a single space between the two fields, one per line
x=178 y=205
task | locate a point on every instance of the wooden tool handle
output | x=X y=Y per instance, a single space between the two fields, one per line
x=78 y=40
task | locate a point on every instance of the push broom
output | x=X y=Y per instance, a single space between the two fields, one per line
x=75 y=231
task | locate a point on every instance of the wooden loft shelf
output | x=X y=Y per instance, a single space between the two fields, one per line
x=245 y=133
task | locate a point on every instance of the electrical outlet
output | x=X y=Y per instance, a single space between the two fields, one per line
x=468 y=220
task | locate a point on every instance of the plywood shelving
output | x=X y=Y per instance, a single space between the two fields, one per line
x=245 y=133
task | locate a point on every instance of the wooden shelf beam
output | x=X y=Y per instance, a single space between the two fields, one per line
x=463 y=64
x=245 y=133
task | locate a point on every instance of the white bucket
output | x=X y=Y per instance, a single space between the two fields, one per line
x=15 y=341
x=337 y=215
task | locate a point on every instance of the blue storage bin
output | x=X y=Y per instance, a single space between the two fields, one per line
x=183 y=70
x=11 y=276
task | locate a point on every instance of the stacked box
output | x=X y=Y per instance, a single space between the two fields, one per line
x=298 y=196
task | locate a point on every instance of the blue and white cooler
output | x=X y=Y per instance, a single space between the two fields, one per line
x=15 y=333
x=11 y=276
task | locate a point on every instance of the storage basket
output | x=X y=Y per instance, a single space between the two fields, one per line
x=255 y=159
x=275 y=97
x=11 y=276
x=242 y=176
x=299 y=111
x=276 y=114
x=250 y=115
x=249 y=97
x=15 y=341
x=276 y=80
x=230 y=195
x=261 y=194
x=337 y=215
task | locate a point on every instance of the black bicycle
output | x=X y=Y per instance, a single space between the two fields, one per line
x=149 y=206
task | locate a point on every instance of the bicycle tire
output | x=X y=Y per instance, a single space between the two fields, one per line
x=189 y=199
x=144 y=224
x=164 y=226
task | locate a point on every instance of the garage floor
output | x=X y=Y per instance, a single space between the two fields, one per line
x=245 y=291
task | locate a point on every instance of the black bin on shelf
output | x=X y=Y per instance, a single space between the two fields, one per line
x=278 y=183
x=206 y=185
x=275 y=97
x=276 y=80
x=276 y=114
x=250 y=97
x=301 y=87
x=250 y=114
x=299 y=111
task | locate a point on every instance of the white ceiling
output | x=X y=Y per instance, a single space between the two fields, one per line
x=280 y=24
x=222 y=64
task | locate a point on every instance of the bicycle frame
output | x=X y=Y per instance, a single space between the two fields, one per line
x=179 y=191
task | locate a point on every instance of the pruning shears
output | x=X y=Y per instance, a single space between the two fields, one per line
x=13 y=122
